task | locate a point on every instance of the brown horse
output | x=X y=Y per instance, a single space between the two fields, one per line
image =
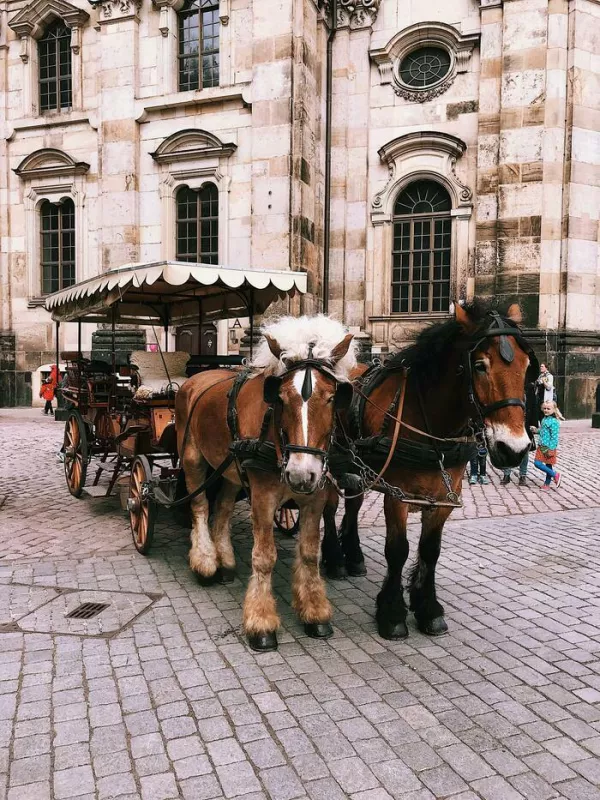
x=462 y=376
x=302 y=374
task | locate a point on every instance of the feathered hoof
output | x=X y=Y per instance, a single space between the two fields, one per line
x=336 y=572
x=392 y=630
x=225 y=575
x=318 y=630
x=263 y=642
x=356 y=569
x=433 y=627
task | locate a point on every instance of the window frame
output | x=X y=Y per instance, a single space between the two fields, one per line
x=60 y=230
x=200 y=219
x=198 y=9
x=45 y=42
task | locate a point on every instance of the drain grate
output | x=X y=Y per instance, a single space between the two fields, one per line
x=87 y=610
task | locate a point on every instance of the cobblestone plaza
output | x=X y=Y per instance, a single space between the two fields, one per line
x=158 y=697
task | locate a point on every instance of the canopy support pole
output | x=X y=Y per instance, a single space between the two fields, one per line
x=199 y=327
x=166 y=327
x=251 y=312
x=57 y=352
x=114 y=356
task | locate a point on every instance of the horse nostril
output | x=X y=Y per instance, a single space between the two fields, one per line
x=312 y=477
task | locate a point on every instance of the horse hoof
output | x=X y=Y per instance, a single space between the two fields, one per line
x=356 y=569
x=206 y=580
x=318 y=630
x=263 y=642
x=433 y=627
x=225 y=575
x=336 y=572
x=392 y=630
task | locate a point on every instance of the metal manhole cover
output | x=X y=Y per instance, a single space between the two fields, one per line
x=87 y=610
x=117 y=610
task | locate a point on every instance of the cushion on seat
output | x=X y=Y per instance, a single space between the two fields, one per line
x=153 y=375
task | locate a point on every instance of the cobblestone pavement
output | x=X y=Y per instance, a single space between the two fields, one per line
x=158 y=697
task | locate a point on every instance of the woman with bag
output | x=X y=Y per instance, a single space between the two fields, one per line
x=546 y=453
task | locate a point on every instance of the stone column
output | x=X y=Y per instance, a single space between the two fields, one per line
x=118 y=131
x=349 y=156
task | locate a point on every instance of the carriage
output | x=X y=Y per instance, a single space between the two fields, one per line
x=119 y=411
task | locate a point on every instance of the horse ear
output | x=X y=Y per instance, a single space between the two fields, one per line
x=340 y=350
x=515 y=314
x=271 y=389
x=463 y=318
x=343 y=396
x=273 y=346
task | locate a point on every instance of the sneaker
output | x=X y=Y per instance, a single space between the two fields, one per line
x=505 y=480
x=522 y=480
x=545 y=486
x=557 y=479
x=484 y=480
x=472 y=480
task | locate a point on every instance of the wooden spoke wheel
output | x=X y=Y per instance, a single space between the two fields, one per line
x=142 y=509
x=287 y=520
x=75 y=445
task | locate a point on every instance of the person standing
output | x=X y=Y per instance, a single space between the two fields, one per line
x=47 y=393
x=546 y=453
x=478 y=468
x=545 y=389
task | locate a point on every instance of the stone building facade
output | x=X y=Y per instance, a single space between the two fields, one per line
x=462 y=157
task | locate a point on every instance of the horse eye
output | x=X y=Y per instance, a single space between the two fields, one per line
x=480 y=366
x=330 y=399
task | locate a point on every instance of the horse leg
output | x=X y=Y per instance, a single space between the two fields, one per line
x=308 y=588
x=203 y=556
x=429 y=613
x=260 y=611
x=331 y=549
x=391 y=608
x=221 y=530
x=353 y=555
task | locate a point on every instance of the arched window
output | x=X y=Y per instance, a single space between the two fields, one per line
x=57 y=245
x=198 y=45
x=421 y=249
x=54 y=51
x=198 y=224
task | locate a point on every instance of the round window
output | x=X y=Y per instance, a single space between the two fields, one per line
x=424 y=67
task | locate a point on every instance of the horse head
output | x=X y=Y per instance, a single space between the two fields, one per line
x=308 y=382
x=499 y=363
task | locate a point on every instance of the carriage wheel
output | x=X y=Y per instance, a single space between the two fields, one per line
x=287 y=520
x=75 y=445
x=142 y=509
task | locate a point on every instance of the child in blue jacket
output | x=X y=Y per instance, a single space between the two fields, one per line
x=546 y=453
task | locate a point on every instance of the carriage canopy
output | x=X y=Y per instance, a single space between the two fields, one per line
x=171 y=292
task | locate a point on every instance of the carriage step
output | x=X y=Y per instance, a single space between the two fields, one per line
x=95 y=491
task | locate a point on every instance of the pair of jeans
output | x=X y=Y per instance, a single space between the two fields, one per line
x=478 y=464
x=522 y=467
x=547 y=468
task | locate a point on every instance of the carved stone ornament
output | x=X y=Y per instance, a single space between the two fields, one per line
x=353 y=14
x=115 y=10
x=389 y=55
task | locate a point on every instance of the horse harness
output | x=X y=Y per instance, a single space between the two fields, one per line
x=261 y=454
x=352 y=469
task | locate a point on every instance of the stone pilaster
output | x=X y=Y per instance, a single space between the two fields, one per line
x=118 y=131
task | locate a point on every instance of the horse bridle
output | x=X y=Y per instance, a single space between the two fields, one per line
x=498 y=327
x=282 y=447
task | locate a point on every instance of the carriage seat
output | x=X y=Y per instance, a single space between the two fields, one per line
x=154 y=379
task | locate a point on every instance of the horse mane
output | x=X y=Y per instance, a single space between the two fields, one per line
x=295 y=335
x=429 y=352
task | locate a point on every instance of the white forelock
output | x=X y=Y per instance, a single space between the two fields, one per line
x=294 y=335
